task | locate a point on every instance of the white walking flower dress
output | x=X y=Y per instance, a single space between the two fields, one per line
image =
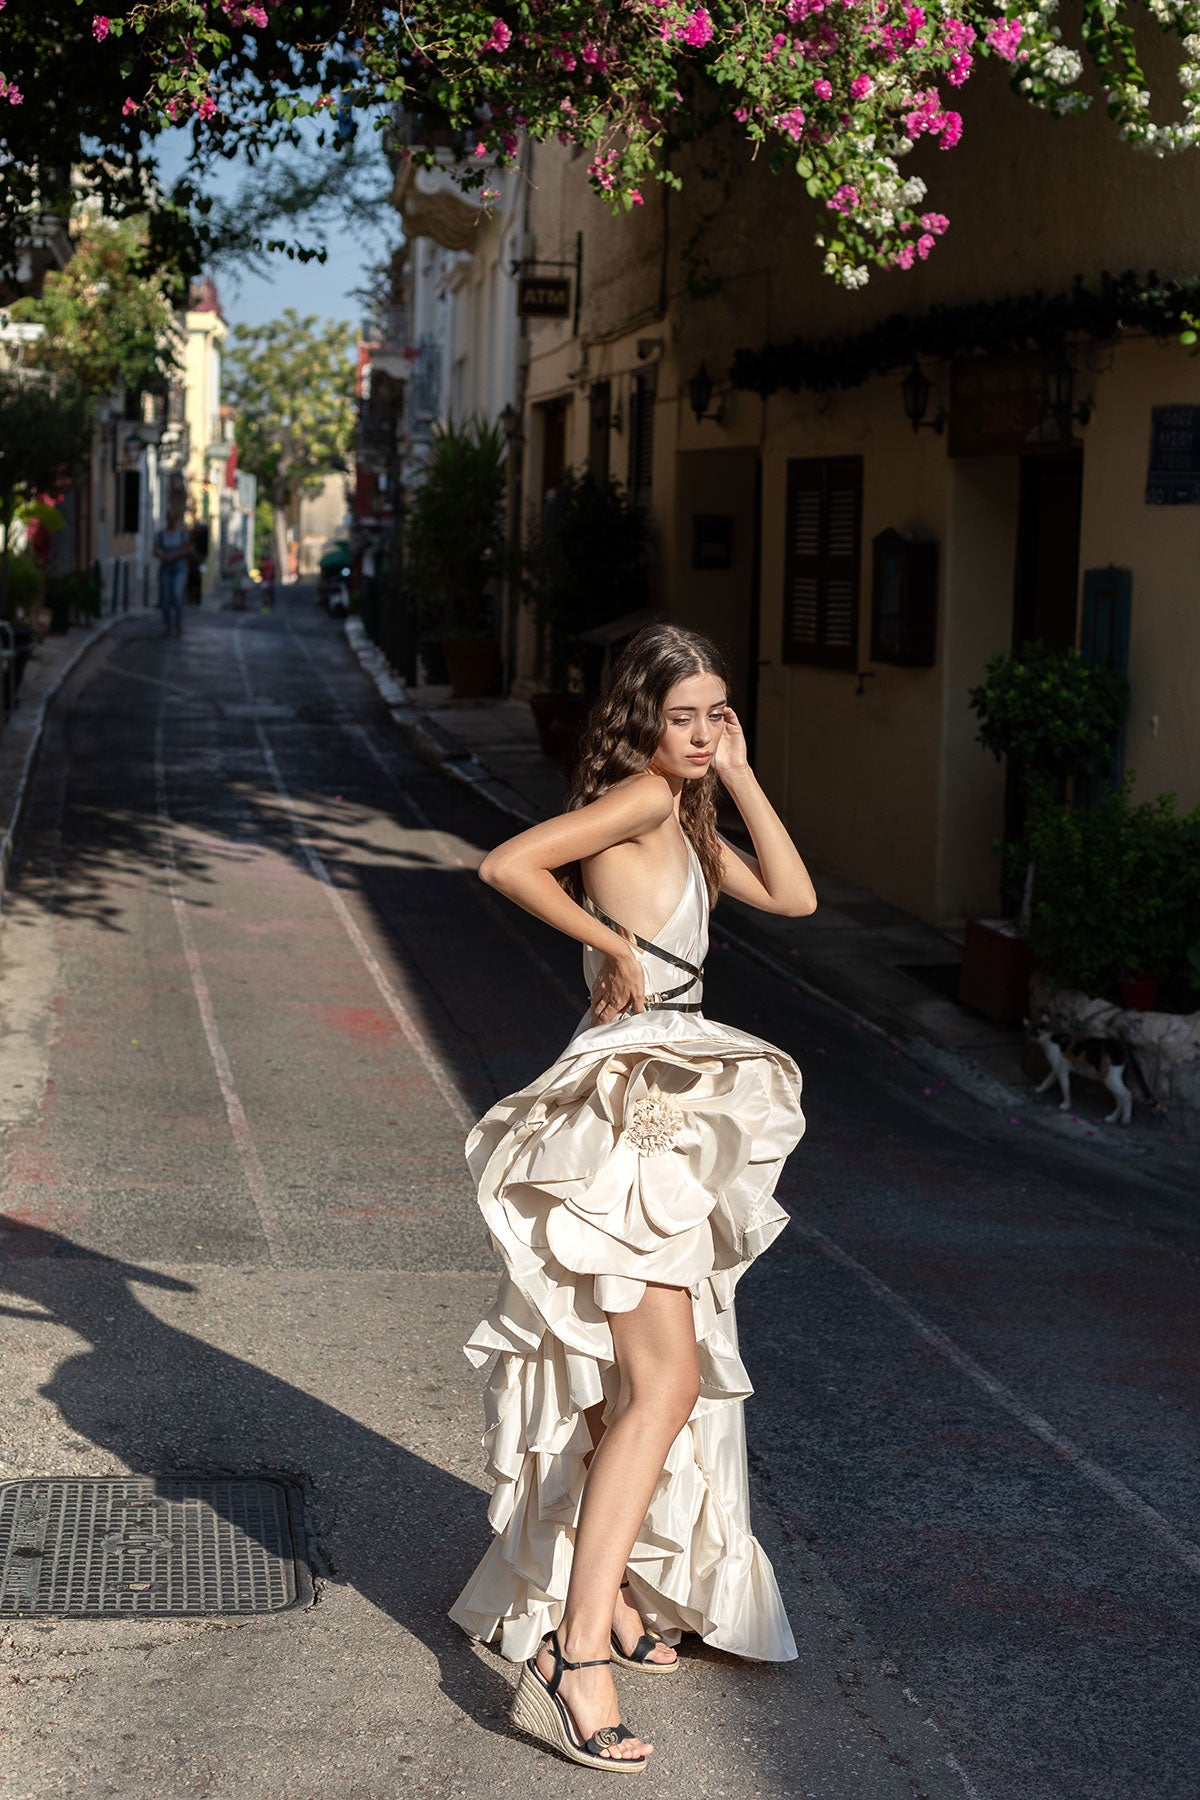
x=649 y=1152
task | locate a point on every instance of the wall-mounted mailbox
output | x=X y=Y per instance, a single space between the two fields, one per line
x=904 y=583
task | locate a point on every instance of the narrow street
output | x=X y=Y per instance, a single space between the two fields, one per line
x=251 y=995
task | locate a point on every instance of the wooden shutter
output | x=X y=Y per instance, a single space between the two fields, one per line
x=642 y=401
x=824 y=531
x=1104 y=638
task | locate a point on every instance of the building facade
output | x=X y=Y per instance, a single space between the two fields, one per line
x=859 y=545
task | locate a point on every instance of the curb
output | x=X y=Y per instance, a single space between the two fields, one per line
x=442 y=751
x=29 y=761
x=435 y=746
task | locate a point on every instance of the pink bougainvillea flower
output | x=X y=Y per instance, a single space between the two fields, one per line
x=791 y=123
x=500 y=39
x=206 y=108
x=860 y=87
x=636 y=196
x=130 y=106
x=1004 y=37
x=925 y=244
x=696 y=30
x=823 y=89
x=937 y=223
x=100 y=27
x=257 y=15
x=844 y=200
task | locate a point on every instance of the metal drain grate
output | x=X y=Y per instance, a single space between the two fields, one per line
x=94 y=1547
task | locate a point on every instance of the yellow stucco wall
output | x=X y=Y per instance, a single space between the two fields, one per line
x=890 y=788
x=1161 y=545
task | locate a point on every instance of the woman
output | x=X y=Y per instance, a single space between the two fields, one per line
x=627 y=1190
x=172 y=546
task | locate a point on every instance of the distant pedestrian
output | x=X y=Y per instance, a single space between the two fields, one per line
x=266 y=570
x=172 y=547
x=239 y=575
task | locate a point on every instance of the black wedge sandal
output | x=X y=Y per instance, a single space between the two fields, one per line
x=639 y=1656
x=538 y=1710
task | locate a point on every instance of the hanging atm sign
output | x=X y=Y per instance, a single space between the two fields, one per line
x=544 y=297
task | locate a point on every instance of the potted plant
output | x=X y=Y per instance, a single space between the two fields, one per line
x=1116 y=904
x=585 y=562
x=455 y=547
x=1053 y=716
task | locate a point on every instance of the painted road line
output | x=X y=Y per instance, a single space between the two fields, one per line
x=1109 y=1484
x=256 y=1178
x=497 y=910
x=434 y=1067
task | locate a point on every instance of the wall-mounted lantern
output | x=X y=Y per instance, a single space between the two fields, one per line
x=1060 y=394
x=916 y=389
x=700 y=393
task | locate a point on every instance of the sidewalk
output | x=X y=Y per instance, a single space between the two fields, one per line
x=880 y=966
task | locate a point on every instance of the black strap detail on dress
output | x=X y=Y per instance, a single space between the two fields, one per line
x=666 y=1001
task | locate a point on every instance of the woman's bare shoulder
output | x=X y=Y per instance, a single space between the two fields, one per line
x=642 y=801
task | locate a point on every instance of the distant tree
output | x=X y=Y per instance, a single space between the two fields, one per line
x=109 y=317
x=291 y=384
x=45 y=437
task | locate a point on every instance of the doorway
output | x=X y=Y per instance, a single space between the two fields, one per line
x=1046 y=593
x=1046 y=600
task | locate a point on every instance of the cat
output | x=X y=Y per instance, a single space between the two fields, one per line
x=1100 y=1059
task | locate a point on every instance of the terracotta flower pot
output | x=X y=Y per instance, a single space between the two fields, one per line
x=559 y=718
x=996 y=966
x=1138 y=993
x=471 y=664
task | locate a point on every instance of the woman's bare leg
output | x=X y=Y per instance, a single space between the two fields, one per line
x=627 y=1622
x=655 y=1349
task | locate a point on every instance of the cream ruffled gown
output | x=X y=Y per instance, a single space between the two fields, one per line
x=648 y=1152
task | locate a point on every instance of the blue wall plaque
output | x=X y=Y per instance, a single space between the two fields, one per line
x=1173 y=478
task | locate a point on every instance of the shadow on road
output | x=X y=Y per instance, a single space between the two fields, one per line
x=402 y=1531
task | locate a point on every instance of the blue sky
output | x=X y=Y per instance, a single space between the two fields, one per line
x=322 y=288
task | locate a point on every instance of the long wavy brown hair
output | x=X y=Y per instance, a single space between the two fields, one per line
x=625 y=728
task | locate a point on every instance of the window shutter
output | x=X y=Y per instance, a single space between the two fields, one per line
x=642 y=400
x=824 y=529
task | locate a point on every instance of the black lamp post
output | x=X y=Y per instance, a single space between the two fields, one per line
x=915 y=390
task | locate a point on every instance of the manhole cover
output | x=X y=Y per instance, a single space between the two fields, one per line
x=103 y=1546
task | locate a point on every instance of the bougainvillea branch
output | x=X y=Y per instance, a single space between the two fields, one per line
x=838 y=90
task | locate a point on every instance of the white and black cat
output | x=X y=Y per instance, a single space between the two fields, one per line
x=1099 y=1059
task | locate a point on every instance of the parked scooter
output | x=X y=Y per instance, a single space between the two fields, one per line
x=337 y=595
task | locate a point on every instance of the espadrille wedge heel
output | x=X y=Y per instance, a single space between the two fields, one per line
x=538 y=1710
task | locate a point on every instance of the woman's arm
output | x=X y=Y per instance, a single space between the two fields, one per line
x=774 y=879
x=521 y=868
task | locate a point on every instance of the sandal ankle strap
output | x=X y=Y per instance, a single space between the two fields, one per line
x=561 y=1664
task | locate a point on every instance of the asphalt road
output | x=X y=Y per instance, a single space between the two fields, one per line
x=250 y=995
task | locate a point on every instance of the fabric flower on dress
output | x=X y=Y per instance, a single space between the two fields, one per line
x=655 y=1124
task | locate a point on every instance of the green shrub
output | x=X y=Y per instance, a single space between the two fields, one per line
x=454 y=541
x=24 y=586
x=1053 y=713
x=1117 y=892
x=586 y=562
x=74 y=595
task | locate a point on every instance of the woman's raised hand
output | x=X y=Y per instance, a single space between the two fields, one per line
x=731 y=750
x=620 y=987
